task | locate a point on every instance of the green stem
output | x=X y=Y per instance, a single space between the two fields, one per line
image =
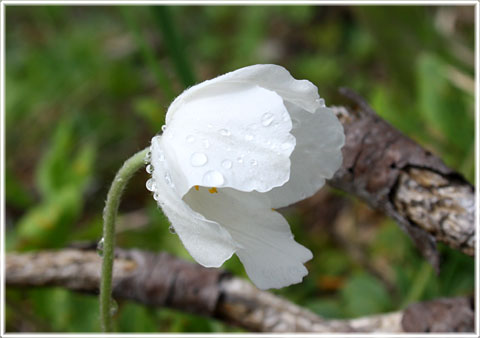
x=419 y=284
x=109 y=214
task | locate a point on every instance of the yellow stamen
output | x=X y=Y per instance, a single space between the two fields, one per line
x=273 y=209
x=196 y=187
x=213 y=190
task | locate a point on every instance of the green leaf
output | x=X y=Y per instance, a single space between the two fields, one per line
x=15 y=192
x=135 y=318
x=364 y=294
x=49 y=223
x=61 y=165
x=442 y=105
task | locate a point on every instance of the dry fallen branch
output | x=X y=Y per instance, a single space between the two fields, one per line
x=163 y=280
x=392 y=173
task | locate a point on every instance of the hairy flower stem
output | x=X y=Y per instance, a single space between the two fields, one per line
x=109 y=215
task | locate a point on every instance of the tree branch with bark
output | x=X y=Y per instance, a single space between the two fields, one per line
x=431 y=202
x=161 y=280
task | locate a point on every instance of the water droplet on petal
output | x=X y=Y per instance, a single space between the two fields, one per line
x=206 y=143
x=240 y=159
x=267 y=119
x=100 y=247
x=161 y=156
x=249 y=137
x=168 y=179
x=156 y=196
x=148 y=157
x=198 y=159
x=164 y=127
x=190 y=139
x=150 y=184
x=227 y=164
x=149 y=168
x=113 y=307
x=253 y=162
x=172 y=229
x=213 y=178
x=224 y=132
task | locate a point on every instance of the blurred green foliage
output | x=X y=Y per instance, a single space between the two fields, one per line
x=88 y=86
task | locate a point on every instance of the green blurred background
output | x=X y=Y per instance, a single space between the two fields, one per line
x=86 y=87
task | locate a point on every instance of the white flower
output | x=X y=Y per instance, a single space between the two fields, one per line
x=233 y=150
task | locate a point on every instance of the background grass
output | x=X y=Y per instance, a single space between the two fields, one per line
x=86 y=87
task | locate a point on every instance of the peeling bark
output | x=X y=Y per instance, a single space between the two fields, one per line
x=392 y=173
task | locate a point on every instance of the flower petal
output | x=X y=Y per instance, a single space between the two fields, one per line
x=317 y=155
x=238 y=136
x=303 y=93
x=206 y=241
x=266 y=246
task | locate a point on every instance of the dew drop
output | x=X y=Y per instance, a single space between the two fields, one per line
x=224 y=132
x=164 y=127
x=172 y=229
x=150 y=184
x=168 y=179
x=156 y=196
x=240 y=159
x=198 y=159
x=253 y=162
x=149 y=168
x=113 y=307
x=148 y=157
x=267 y=119
x=213 y=178
x=100 y=247
x=249 y=137
x=190 y=139
x=227 y=164
x=206 y=143
x=161 y=156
